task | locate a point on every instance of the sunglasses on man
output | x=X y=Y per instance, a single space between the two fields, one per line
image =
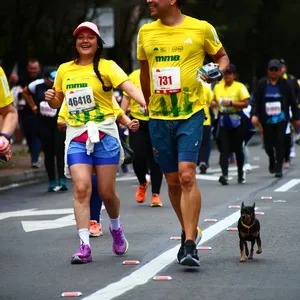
x=273 y=69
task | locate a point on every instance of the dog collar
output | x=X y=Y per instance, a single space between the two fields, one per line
x=247 y=226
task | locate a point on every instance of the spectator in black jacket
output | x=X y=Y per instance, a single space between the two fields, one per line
x=272 y=99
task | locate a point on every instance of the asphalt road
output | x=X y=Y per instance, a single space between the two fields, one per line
x=35 y=256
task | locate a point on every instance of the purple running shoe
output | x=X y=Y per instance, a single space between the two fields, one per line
x=120 y=244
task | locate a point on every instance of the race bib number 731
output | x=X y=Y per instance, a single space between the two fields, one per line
x=80 y=100
x=166 y=80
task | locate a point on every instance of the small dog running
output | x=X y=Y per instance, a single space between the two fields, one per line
x=249 y=230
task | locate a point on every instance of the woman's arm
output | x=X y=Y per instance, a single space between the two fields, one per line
x=133 y=92
x=126 y=121
x=54 y=98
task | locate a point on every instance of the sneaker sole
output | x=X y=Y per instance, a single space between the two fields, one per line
x=156 y=205
x=96 y=234
x=140 y=201
x=79 y=261
x=190 y=261
x=223 y=181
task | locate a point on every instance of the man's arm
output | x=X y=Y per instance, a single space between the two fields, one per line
x=145 y=80
x=221 y=58
x=28 y=98
x=10 y=119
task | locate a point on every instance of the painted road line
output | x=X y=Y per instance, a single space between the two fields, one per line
x=148 y=271
x=290 y=184
x=230 y=169
x=35 y=212
x=66 y=221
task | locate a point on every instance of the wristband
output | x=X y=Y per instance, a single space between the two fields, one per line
x=221 y=75
x=5 y=135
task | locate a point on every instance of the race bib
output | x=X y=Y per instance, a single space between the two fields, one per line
x=80 y=100
x=166 y=80
x=46 y=110
x=273 y=108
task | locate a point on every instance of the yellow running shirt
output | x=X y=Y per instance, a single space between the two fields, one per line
x=84 y=96
x=134 y=106
x=174 y=54
x=236 y=92
x=208 y=96
x=5 y=95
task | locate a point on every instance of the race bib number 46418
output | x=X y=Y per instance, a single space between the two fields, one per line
x=166 y=80
x=80 y=100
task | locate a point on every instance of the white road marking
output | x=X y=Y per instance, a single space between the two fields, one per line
x=66 y=221
x=148 y=271
x=234 y=168
x=30 y=226
x=198 y=176
x=34 y=212
x=288 y=185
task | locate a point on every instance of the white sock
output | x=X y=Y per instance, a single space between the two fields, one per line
x=115 y=223
x=84 y=236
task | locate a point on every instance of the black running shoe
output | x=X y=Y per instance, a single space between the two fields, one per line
x=190 y=255
x=223 y=180
x=242 y=178
x=181 y=249
x=203 y=168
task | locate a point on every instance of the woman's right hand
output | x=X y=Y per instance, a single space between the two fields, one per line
x=50 y=94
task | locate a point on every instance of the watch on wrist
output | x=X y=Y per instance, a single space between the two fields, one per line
x=5 y=135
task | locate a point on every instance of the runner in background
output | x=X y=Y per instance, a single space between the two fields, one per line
x=231 y=97
x=52 y=139
x=205 y=149
x=140 y=143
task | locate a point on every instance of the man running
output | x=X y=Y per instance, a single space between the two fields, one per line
x=170 y=51
x=9 y=118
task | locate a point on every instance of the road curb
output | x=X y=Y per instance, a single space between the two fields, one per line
x=23 y=177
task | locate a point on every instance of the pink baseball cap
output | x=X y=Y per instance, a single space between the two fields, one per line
x=87 y=25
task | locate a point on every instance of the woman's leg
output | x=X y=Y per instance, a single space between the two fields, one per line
x=59 y=142
x=236 y=140
x=224 y=143
x=106 y=181
x=139 y=144
x=45 y=136
x=81 y=177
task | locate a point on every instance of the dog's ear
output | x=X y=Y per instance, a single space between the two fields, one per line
x=253 y=205
x=243 y=205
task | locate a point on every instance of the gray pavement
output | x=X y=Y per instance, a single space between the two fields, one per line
x=36 y=264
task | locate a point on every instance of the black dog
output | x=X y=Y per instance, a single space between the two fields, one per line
x=249 y=230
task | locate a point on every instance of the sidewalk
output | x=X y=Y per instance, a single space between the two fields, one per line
x=18 y=171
